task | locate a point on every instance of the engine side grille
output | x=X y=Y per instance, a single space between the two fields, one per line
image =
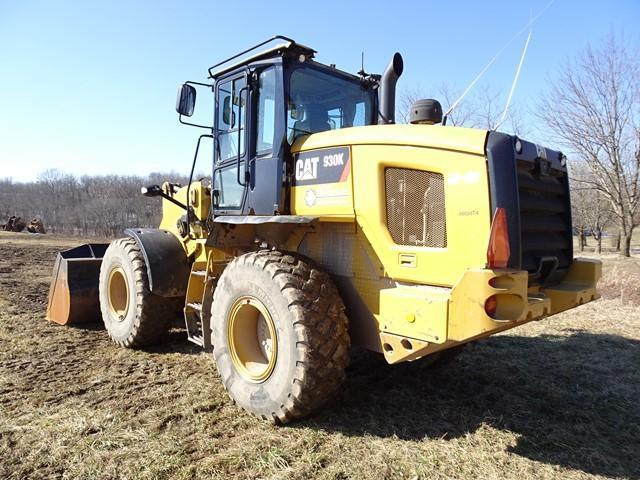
x=415 y=207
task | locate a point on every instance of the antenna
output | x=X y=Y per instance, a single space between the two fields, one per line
x=362 y=73
x=495 y=57
x=515 y=81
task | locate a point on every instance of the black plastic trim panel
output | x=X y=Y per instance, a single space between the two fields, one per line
x=531 y=183
x=167 y=263
x=503 y=185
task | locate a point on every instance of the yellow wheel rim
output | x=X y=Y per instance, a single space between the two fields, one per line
x=252 y=339
x=118 y=290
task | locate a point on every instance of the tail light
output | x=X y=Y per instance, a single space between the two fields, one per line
x=498 y=251
x=491 y=306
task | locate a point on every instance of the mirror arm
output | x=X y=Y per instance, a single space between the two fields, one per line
x=195 y=124
x=156 y=191
x=190 y=211
x=198 y=83
x=208 y=127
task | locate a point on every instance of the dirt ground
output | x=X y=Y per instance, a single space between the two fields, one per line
x=558 y=398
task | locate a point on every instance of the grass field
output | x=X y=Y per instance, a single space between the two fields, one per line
x=558 y=398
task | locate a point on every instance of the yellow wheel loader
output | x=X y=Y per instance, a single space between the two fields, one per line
x=324 y=225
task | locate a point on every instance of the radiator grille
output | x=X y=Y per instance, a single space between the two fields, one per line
x=415 y=207
x=545 y=222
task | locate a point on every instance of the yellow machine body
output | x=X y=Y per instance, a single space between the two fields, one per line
x=404 y=300
x=324 y=225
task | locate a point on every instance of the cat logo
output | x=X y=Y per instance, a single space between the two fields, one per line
x=307 y=168
x=325 y=165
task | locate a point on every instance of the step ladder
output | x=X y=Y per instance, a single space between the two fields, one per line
x=198 y=332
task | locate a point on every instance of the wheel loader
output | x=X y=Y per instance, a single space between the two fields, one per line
x=325 y=225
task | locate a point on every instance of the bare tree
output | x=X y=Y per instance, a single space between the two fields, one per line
x=406 y=98
x=593 y=108
x=481 y=108
x=591 y=211
x=88 y=205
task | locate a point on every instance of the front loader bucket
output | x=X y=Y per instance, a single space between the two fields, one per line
x=74 y=296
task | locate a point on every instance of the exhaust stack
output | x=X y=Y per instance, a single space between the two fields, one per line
x=387 y=90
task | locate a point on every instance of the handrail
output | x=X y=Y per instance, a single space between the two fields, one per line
x=241 y=130
x=285 y=43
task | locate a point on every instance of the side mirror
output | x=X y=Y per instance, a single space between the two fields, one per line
x=186 y=100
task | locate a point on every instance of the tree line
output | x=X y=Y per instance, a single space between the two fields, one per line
x=89 y=205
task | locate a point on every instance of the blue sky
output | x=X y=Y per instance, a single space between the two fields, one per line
x=89 y=87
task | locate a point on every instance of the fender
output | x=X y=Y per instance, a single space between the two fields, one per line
x=167 y=263
x=243 y=230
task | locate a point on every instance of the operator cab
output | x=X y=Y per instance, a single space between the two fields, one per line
x=265 y=98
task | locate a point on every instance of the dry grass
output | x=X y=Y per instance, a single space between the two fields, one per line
x=552 y=399
x=621 y=279
x=621 y=276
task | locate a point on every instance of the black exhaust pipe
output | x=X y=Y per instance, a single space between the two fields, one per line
x=387 y=90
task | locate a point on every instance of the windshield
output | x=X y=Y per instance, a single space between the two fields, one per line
x=319 y=101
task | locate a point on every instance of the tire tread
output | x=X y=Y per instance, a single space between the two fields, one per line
x=153 y=313
x=320 y=325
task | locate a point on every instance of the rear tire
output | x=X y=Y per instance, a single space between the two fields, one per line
x=279 y=335
x=132 y=315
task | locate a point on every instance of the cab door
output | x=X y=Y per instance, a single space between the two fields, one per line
x=266 y=193
x=230 y=145
x=250 y=135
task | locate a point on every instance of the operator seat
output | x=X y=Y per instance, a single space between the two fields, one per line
x=316 y=119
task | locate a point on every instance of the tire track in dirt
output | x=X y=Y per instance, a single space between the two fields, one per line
x=49 y=363
x=61 y=371
x=553 y=399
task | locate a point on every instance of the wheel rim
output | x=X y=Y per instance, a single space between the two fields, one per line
x=118 y=290
x=252 y=339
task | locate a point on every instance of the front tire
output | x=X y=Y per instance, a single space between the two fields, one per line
x=279 y=334
x=132 y=315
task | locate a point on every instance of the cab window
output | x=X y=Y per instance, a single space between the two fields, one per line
x=266 y=111
x=231 y=119
x=229 y=190
x=319 y=101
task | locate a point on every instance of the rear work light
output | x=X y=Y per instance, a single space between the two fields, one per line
x=491 y=305
x=498 y=251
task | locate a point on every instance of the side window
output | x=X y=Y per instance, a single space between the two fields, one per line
x=319 y=101
x=347 y=115
x=266 y=110
x=360 y=115
x=335 y=118
x=231 y=118
x=229 y=190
